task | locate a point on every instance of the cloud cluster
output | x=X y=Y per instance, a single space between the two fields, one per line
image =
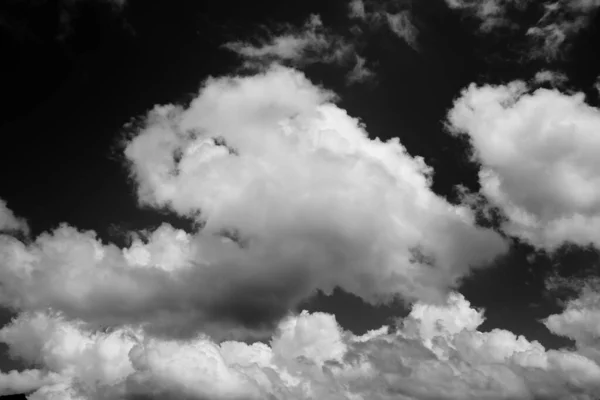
x=538 y=156
x=310 y=44
x=435 y=352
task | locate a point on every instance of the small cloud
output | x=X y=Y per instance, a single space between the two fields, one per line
x=397 y=16
x=552 y=78
x=356 y=9
x=360 y=73
x=550 y=36
x=312 y=43
x=290 y=197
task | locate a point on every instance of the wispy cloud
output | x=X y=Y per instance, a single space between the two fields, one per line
x=395 y=14
x=310 y=44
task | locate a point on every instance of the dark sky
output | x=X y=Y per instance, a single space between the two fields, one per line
x=69 y=85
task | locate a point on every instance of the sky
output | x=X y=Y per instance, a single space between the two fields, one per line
x=341 y=200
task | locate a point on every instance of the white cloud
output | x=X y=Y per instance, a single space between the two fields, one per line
x=436 y=352
x=16 y=382
x=401 y=24
x=580 y=321
x=562 y=20
x=310 y=44
x=314 y=202
x=8 y=221
x=538 y=155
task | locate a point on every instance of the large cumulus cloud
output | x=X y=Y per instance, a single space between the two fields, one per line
x=313 y=201
x=289 y=196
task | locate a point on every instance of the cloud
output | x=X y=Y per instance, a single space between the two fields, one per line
x=436 y=352
x=9 y=222
x=290 y=197
x=27 y=381
x=537 y=152
x=562 y=19
x=550 y=34
x=360 y=73
x=298 y=47
x=396 y=15
x=356 y=9
x=553 y=78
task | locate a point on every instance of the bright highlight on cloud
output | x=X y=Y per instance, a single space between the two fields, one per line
x=538 y=155
x=562 y=19
x=435 y=352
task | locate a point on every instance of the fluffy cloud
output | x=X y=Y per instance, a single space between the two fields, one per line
x=580 y=321
x=310 y=44
x=309 y=195
x=538 y=155
x=290 y=196
x=435 y=352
